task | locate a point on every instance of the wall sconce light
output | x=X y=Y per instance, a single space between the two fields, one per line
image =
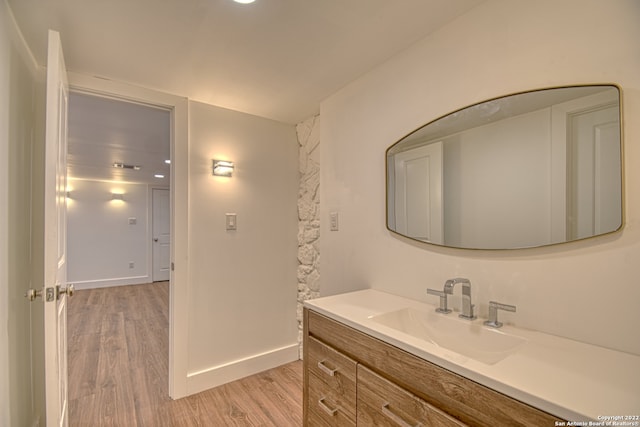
x=223 y=168
x=117 y=196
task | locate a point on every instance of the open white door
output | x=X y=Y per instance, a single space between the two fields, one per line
x=55 y=267
x=53 y=330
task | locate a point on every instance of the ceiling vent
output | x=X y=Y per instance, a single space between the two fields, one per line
x=125 y=166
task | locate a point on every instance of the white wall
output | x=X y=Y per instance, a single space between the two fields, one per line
x=498 y=177
x=242 y=293
x=100 y=241
x=584 y=290
x=19 y=85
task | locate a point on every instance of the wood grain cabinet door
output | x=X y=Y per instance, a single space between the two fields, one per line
x=328 y=407
x=332 y=386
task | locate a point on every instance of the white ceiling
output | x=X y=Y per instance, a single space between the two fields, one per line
x=105 y=131
x=274 y=58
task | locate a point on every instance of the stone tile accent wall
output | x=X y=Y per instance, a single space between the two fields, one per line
x=308 y=215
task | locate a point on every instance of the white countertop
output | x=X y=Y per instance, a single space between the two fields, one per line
x=569 y=379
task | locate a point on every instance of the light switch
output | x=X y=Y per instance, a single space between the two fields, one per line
x=231 y=221
x=132 y=221
x=333 y=221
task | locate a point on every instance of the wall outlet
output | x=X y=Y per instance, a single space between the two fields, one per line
x=131 y=264
x=132 y=221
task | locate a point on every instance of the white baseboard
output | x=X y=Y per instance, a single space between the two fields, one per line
x=222 y=374
x=107 y=283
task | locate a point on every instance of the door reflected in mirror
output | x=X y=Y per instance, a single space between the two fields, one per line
x=525 y=170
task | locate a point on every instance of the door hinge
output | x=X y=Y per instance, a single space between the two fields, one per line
x=172 y=267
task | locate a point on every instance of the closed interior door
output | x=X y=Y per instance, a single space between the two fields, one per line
x=418 y=192
x=161 y=235
x=594 y=153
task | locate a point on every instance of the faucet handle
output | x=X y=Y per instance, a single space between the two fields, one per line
x=493 y=313
x=443 y=300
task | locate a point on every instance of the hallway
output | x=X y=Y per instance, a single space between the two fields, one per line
x=118 y=365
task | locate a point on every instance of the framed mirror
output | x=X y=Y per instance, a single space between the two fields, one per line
x=531 y=169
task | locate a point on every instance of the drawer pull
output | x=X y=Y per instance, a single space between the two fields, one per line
x=325 y=408
x=323 y=368
x=395 y=418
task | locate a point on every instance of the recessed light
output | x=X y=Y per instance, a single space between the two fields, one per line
x=244 y=1
x=158 y=175
x=168 y=162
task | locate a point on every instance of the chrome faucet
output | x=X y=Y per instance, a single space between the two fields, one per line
x=467 y=307
x=493 y=313
x=443 y=300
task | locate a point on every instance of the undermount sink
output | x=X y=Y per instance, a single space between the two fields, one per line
x=470 y=339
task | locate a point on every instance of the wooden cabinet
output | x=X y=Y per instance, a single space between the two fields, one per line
x=332 y=386
x=375 y=383
x=382 y=403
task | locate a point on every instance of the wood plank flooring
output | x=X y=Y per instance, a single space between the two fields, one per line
x=118 y=370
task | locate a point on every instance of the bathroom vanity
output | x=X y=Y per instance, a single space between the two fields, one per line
x=366 y=363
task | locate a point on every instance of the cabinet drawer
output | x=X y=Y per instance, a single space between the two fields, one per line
x=382 y=403
x=328 y=406
x=332 y=367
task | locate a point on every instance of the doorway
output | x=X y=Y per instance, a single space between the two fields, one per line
x=119 y=202
x=179 y=178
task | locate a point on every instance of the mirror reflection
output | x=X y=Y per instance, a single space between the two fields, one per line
x=525 y=170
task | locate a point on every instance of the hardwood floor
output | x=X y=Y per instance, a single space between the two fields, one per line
x=118 y=370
